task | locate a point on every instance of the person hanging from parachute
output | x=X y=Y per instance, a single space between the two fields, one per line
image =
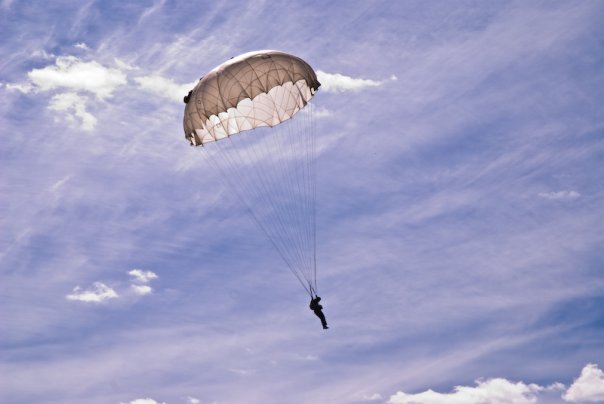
x=273 y=173
x=318 y=309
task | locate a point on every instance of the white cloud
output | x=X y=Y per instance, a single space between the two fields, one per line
x=142 y=290
x=74 y=106
x=21 y=87
x=98 y=293
x=142 y=276
x=144 y=401
x=337 y=83
x=193 y=400
x=560 y=195
x=71 y=73
x=492 y=391
x=589 y=387
x=81 y=45
x=164 y=87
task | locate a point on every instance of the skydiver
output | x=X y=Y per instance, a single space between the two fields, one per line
x=318 y=309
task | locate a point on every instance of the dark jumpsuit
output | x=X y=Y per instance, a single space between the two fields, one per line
x=318 y=309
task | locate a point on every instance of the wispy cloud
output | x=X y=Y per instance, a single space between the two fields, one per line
x=153 y=9
x=560 y=195
x=59 y=184
x=98 y=293
x=322 y=112
x=124 y=65
x=337 y=83
x=42 y=54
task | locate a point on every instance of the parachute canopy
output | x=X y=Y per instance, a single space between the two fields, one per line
x=262 y=88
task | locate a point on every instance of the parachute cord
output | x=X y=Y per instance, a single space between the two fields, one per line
x=294 y=135
x=267 y=201
x=313 y=134
x=296 y=215
x=257 y=220
x=313 y=180
x=266 y=196
x=301 y=135
x=267 y=179
x=261 y=191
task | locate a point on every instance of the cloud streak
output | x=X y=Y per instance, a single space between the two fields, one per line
x=338 y=83
x=560 y=195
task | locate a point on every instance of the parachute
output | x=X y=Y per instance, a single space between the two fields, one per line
x=252 y=118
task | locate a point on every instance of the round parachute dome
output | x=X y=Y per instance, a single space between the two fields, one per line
x=262 y=88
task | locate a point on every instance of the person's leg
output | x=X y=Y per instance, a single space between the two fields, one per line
x=322 y=317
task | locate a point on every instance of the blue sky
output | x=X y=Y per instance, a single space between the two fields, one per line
x=460 y=214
